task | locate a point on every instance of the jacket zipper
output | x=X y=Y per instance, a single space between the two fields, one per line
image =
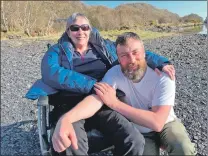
x=70 y=64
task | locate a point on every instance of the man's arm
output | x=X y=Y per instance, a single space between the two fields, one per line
x=64 y=134
x=84 y=109
x=154 y=119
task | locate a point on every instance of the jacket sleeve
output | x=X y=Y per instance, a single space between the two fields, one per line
x=111 y=47
x=108 y=44
x=156 y=61
x=58 y=77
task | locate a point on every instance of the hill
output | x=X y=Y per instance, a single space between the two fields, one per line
x=193 y=18
x=38 y=18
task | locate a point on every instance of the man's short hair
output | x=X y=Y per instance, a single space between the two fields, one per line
x=122 y=39
x=73 y=19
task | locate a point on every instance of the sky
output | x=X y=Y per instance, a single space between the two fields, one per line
x=181 y=8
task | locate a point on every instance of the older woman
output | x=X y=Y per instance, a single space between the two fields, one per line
x=69 y=71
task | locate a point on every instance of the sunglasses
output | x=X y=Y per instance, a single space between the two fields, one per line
x=84 y=27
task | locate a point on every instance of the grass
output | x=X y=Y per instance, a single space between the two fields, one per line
x=54 y=37
x=112 y=34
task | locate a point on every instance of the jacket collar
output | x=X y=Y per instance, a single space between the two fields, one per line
x=95 y=40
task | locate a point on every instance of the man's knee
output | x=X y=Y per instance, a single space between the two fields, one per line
x=127 y=136
x=82 y=140
x=134 y=140
x=182 y=147
x=138 y=143
x=175 y=137
x=131 y=142
x=81 y=133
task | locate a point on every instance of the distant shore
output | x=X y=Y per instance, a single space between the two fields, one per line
x=174 y=28
x=146 y=32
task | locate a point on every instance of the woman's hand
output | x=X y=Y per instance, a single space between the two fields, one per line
x=168 y=69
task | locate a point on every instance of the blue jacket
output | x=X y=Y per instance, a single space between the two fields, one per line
x=57 y=67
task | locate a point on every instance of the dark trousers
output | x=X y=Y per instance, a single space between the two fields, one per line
x=115 y=128
x=152 y=144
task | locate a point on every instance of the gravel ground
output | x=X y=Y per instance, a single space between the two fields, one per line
x=20 y=67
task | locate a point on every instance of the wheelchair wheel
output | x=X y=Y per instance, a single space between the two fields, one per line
x=43 y=125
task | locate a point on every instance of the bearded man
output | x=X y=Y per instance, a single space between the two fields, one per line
x=148 y=102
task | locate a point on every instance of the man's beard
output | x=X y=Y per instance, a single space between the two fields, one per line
x=135 y=75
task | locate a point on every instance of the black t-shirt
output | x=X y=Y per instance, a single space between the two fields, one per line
x=89 y=64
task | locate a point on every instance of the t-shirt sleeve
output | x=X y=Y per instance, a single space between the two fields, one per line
x=110 y=77
x=164 y=93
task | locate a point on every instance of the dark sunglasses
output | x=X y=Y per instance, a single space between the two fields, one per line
x=84 y=27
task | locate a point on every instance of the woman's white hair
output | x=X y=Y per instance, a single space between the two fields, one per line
x=73 y=19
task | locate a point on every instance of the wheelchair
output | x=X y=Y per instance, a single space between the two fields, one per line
x=97 y=143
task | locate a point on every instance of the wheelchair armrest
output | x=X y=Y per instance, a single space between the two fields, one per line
x=43 y=101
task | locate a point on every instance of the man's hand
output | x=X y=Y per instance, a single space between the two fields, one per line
x=168 y=69
x=106 y=93
x=64 y=135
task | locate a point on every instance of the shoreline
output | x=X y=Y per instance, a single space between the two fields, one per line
x=154 y=30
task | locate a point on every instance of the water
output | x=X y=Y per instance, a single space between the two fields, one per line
x=204 y=29
x=196 y=30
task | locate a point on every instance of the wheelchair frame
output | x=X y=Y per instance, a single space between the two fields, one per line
x=44 y=128
x=43 y=125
